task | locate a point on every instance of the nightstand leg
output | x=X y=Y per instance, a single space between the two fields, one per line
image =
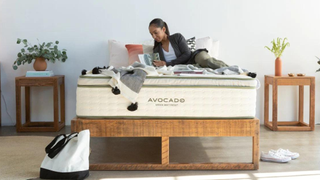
x=18 y=106
x=55 y=106
x=312 y=104
x=27 y=101
x=274 y=106
x=62 y=102
x=301 y=99
x=266 y=102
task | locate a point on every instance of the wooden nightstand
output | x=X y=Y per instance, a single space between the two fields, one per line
x=300 y=81
x=27 y=82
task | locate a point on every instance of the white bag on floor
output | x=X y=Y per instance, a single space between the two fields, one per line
x=67 y=157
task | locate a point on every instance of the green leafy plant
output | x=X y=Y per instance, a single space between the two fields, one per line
x=29 y=52
x=318 y=63
x=278 y=47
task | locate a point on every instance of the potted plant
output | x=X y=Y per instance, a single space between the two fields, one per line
x=278 y=48
x=40 y=52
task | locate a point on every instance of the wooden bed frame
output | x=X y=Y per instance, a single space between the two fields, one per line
x=166 y=128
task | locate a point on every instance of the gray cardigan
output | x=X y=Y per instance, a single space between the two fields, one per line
x=181 y=49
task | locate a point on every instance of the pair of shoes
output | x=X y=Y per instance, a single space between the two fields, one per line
x=274 y=157
x=280 y=155
x=286 y=152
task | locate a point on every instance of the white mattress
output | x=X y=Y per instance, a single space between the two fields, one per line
x=171 y=97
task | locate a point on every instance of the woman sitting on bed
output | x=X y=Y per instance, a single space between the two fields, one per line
x=173 y=49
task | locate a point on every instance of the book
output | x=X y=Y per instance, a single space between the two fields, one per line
x=39 y=74
x=184 y=69
x=189 y=72
x=147 y=59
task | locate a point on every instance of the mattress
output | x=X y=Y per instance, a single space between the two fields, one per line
x=193 y=97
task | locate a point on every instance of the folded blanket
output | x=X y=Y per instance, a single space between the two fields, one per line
x=128 y=81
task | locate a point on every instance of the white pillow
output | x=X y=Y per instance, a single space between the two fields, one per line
x=118 y=54
x=147 y=49
x=209 y=44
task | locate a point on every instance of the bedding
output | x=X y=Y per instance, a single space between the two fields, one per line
x=171 y=96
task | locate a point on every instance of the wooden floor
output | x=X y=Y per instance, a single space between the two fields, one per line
x=205 y=149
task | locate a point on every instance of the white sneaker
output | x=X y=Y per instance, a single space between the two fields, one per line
x=292 y=155
x=274 y=157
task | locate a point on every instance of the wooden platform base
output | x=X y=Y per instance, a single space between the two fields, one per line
x=166 y=128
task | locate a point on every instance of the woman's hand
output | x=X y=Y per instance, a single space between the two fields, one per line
x=158 y=63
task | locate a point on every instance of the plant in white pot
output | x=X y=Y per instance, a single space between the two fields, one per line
x=277 y=49
x=40 y=53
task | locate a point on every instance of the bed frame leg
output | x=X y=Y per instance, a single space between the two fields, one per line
x=164 y=150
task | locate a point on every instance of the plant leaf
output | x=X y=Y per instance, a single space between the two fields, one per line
x=48 y=44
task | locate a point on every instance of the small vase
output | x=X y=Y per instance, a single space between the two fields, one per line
x=40 y=64
x=278 y=67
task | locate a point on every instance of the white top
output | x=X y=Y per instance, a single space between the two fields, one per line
x=169 y=56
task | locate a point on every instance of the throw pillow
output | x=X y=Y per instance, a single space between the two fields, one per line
x=192 y=43
x=214 y=51
x=133 y=51
x=118 y=55
x=147 y=49
x=209 y=44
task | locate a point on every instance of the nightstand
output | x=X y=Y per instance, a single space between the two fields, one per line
x=56 y=82
x=300 y=81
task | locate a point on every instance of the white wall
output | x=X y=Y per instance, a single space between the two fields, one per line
x=243 y=27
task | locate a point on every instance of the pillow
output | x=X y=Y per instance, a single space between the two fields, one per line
x=214 y=51
x=191 y=44
x=147 y=49
x=118 y=54
x=133 y=51
x=210 y=45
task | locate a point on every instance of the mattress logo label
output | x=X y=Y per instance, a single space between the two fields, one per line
x=166 y=101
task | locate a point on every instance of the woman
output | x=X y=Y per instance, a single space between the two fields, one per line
x=172 y=49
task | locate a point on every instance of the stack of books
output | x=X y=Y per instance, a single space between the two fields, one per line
x=39 y=74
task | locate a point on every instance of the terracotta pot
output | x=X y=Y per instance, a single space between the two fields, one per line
x=40 y=64
x=278 y=67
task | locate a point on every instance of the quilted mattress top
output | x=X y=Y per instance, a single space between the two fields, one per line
x=174 y=80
